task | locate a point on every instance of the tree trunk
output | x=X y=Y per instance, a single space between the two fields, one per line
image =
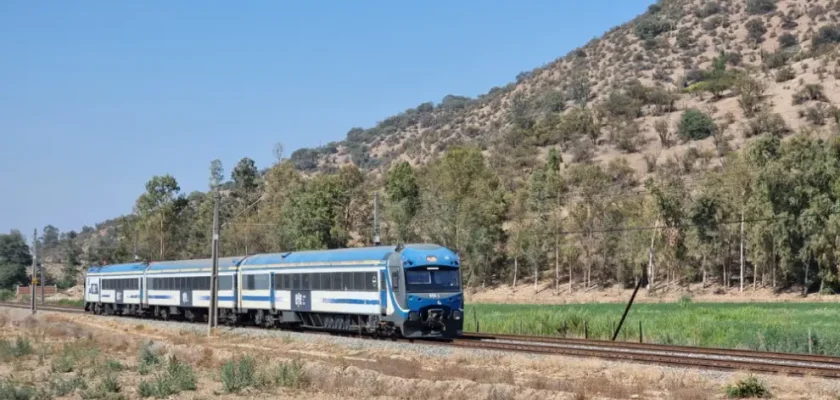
x=515 y=270
x=536 y=277
x=570 y=276
x=704 y=270
x=742 y=249
x=805 y=279
x=651 y=273
x=162 y=242
x=557 y=264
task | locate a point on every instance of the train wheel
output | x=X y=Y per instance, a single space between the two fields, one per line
x=164 y=314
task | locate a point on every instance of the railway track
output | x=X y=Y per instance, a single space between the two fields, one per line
x=648 y=353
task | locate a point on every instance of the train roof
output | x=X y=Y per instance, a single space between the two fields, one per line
x=352 y=256
x=175 y=266
x=127 y=268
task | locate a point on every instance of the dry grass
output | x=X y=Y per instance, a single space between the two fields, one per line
x=109 y=351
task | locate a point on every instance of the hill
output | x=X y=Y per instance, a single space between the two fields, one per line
x=696 y=144
x=622 y=94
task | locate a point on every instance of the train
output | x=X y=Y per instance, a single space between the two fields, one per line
x=412 y=291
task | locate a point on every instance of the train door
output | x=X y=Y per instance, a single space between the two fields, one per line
x=383 y=293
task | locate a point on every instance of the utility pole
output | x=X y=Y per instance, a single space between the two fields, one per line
x=41 y=267
x=214 y=276
x=376 y=241
x=34 y=271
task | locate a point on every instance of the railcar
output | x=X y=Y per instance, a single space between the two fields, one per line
x=412 y=291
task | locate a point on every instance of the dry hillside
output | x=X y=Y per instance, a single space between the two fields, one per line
x=646 y=71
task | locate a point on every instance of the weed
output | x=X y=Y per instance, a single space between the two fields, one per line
x=21 y=347
x=238 y=375
x=113 y=366
x=288 y=375
x=177 y=377
x=63 y=387
x=750 y=387
x=10 y=391
x=147 y=359
x=63 y=364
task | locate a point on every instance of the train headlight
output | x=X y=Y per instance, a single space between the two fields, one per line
x=457 y=314
x=413 y=316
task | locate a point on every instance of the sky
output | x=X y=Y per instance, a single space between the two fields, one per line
x=97 y=97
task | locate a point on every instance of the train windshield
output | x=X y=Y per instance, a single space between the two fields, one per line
x=432 y=280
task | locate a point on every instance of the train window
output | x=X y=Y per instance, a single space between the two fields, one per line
x=295 y=281
x=359 y=281
x=225 y=282
x=248 y=282
x=325 y=281
x=304 y=281
x=287 y=282
x=336 y=281
x=395 y=279
x=370 y=281
x=346 y=281
x=262 y=281
x=315 y=280
x=177 y=283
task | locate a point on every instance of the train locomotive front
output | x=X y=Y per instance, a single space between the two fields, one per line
x=425 y=283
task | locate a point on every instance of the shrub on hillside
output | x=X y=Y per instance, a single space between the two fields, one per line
x=766 y=122
x=811 y=92
x=756 y=30
x=828 y=34
x=788 y=40
x=761 y=6
x=650 y=27
x=696 y=125
x=785 y=74
x=710 y=8
x=775 y=59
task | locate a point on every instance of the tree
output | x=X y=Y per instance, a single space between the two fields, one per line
x=217 y=174
x=70 y=255
x=14 y=250
x=156 y=207
x=403 y=199
x=245 y=176
x=49 y=237
x=751 y=95
x=696 y=125
x=756 y=30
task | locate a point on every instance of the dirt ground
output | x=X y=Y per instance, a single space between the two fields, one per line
x=546 y=294
x=332 y=371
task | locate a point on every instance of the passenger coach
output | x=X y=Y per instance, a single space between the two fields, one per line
x=412 y=291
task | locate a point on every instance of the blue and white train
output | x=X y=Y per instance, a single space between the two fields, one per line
x=412 y=291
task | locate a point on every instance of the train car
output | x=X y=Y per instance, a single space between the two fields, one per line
x=183 y=288
x=112 y=288
x=412 y=291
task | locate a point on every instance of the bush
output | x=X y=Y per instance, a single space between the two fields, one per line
x=20 y=348
x=751 y=95
x=238 y=375
x=696 y=125
x=761 y=6
x=828 y=34
x=818 y=114
x=288 y=375
x=650 y=27
x=627 y=137
x=177 y=377
x=6 y=294
x=663 y=131
x=756 y=29
x=711 y=8
x=811 y=92
x=785 y=74
x=61 y=387
x=8 y=391
x=788 y=40
x=766 y=122
x=750 y=387
x=775 y=59
x=147 y=359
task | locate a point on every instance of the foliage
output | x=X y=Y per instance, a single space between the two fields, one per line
x=403 y=199
x=788 y=40
x=664 y=132
x=761 y=6
x=9 y=390
x=749 y=387
x=6 y=294
x=811 y=92
x=751 y=93
x=649 y=27
x=11 y=275
x=826 y=35
x=708 y=9
x=238 y=374
x=756 y=29
x=696 y=125
x=785 y=74
x=14 y=250
x=21 y=347
x=765 y=122
x=177 y=377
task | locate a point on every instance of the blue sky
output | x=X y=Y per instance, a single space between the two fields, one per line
x=96 y=97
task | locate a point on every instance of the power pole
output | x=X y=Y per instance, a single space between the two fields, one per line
x=34 y=271
x=376 y=241
x=41 y=267
x=214 y=275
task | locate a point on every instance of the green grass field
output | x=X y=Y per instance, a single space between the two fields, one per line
x=781 y=327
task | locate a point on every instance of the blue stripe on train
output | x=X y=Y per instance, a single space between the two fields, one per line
x=159 y=297
x=221 y=298
x=351 y=301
